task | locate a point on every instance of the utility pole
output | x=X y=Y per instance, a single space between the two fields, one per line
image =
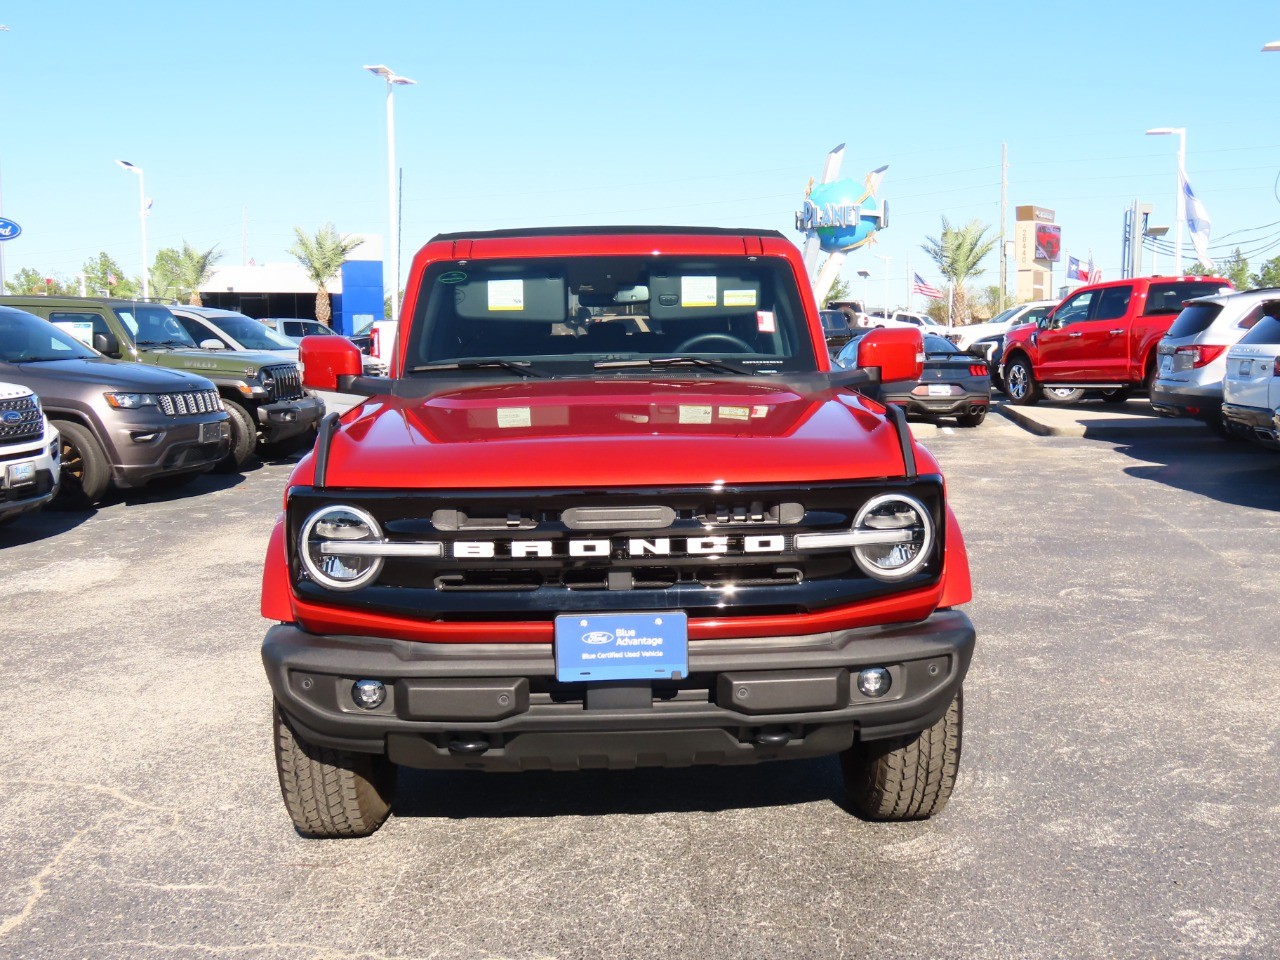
x=1004 y=215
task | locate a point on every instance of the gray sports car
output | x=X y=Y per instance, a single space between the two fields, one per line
x=953 y=383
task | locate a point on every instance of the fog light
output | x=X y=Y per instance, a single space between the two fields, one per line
x=370 y=694
x=874 y=682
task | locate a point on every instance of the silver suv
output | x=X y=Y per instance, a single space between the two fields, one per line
x=1192 y=357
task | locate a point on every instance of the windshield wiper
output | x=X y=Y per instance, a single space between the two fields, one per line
x=524 y=369
x=673 y=362
x=48 y=359
x=165 y=343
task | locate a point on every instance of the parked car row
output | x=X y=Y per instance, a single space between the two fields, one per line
x=134 y=393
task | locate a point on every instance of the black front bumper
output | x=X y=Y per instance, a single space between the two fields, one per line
x=289 y=418
x=499 y=707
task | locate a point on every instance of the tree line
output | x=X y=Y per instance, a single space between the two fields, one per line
x=179 y=274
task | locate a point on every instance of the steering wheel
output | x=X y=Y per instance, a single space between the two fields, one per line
x=741 y=346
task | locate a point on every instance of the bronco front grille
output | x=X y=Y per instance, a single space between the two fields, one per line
x=286 y=382
x=20 y=420
x=759 y=571
x=189 y=403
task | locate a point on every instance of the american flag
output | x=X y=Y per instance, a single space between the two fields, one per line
x=926 y=289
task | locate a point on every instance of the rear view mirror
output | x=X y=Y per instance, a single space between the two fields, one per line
x=325 y=359
x=898 y=352
x=107 y=344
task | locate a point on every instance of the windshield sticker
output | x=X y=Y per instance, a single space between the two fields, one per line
x=739 y=298
x=697 y=291
x=453 y=276
x=82 y=330
x=506 y=294
x=765 y=321
x=514 y=417
x=735 y=413
x=692 y=414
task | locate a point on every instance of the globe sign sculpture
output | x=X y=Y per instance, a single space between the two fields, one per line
x=844 y=213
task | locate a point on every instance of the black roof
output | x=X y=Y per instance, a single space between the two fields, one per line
x=603 y=231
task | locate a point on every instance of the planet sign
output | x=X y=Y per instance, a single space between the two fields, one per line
x=844 y=214
x=8 y=229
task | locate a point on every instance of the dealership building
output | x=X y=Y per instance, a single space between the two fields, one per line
x=285 y=290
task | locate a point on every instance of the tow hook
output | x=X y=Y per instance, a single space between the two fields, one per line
x=466 y=745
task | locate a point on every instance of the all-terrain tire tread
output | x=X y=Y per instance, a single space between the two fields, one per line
x=906 y=778
x=328 y=792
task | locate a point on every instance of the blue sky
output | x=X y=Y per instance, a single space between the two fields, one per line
x=658 y=112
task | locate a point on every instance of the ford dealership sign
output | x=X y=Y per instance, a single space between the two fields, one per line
x=9 y=229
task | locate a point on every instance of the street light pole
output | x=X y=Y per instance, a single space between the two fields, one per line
x=864 y=274
x=393 y=80
x=1180 y=203
x=142 y=218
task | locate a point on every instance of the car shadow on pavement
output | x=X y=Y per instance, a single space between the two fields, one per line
x=1234 y=472
x=41 y=525
x=596 y=793
x=164 y=491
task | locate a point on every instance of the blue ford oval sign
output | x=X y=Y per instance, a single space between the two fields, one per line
x=8 y=229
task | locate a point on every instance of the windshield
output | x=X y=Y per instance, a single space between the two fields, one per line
x=567 y=314
x=28 y=339
x=251 y=334
x=1004 y=315
x=152 y=325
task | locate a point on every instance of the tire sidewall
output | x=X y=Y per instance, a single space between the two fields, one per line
x=95 y=472
x=1020 y=383
x=244 y=436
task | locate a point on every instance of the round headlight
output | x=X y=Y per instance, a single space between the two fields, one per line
x=323 y=539
x=900 y=515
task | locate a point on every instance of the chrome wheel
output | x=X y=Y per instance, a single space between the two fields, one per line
x=1016 y=382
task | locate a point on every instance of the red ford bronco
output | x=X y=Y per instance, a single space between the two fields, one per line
x=612 y=508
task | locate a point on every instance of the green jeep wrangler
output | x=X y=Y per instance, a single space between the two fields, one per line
x=262 y=393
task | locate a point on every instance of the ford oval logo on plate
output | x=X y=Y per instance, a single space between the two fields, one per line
x=9 y=229
x=597 y=636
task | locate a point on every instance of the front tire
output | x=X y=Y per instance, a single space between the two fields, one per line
x=906 y=778
x=244 y=437
x=86 y=475
x=1020 y=383
x=328 y=792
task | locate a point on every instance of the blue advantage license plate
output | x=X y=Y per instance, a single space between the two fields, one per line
x=21 y=474
x=622 y=646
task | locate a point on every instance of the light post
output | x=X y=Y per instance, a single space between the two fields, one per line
x=1272 y=47
x=142 y=218
x=393 y=81
x=886 y=258
x=864 y=274
x=1180 y=201
x=1155 y=233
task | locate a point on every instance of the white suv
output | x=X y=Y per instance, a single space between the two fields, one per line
x=29 y=453
x=1251 y=389
x=966 y=336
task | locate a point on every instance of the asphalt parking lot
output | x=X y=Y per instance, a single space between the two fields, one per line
x=1119 y=793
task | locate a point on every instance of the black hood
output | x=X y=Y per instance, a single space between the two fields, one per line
x=55 y=379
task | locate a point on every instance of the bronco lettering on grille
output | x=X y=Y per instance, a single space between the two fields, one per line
x=633 y=547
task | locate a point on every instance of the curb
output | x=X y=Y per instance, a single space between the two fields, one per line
x=1118 y=428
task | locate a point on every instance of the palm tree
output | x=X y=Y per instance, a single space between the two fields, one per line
x=322 y=257
x=958 y=253
x=194 y=269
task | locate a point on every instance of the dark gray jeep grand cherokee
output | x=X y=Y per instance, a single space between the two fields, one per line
x=121 y=423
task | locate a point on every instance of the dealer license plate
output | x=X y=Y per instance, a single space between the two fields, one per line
x=1166 y=365
x=210 y=432
x=622 y=646
x=21 y=474
x=939 y=389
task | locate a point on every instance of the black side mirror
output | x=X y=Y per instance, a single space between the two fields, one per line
x=106 y=343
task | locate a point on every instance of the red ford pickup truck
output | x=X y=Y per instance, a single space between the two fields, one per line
x=612 y=508
x=1103 y=337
